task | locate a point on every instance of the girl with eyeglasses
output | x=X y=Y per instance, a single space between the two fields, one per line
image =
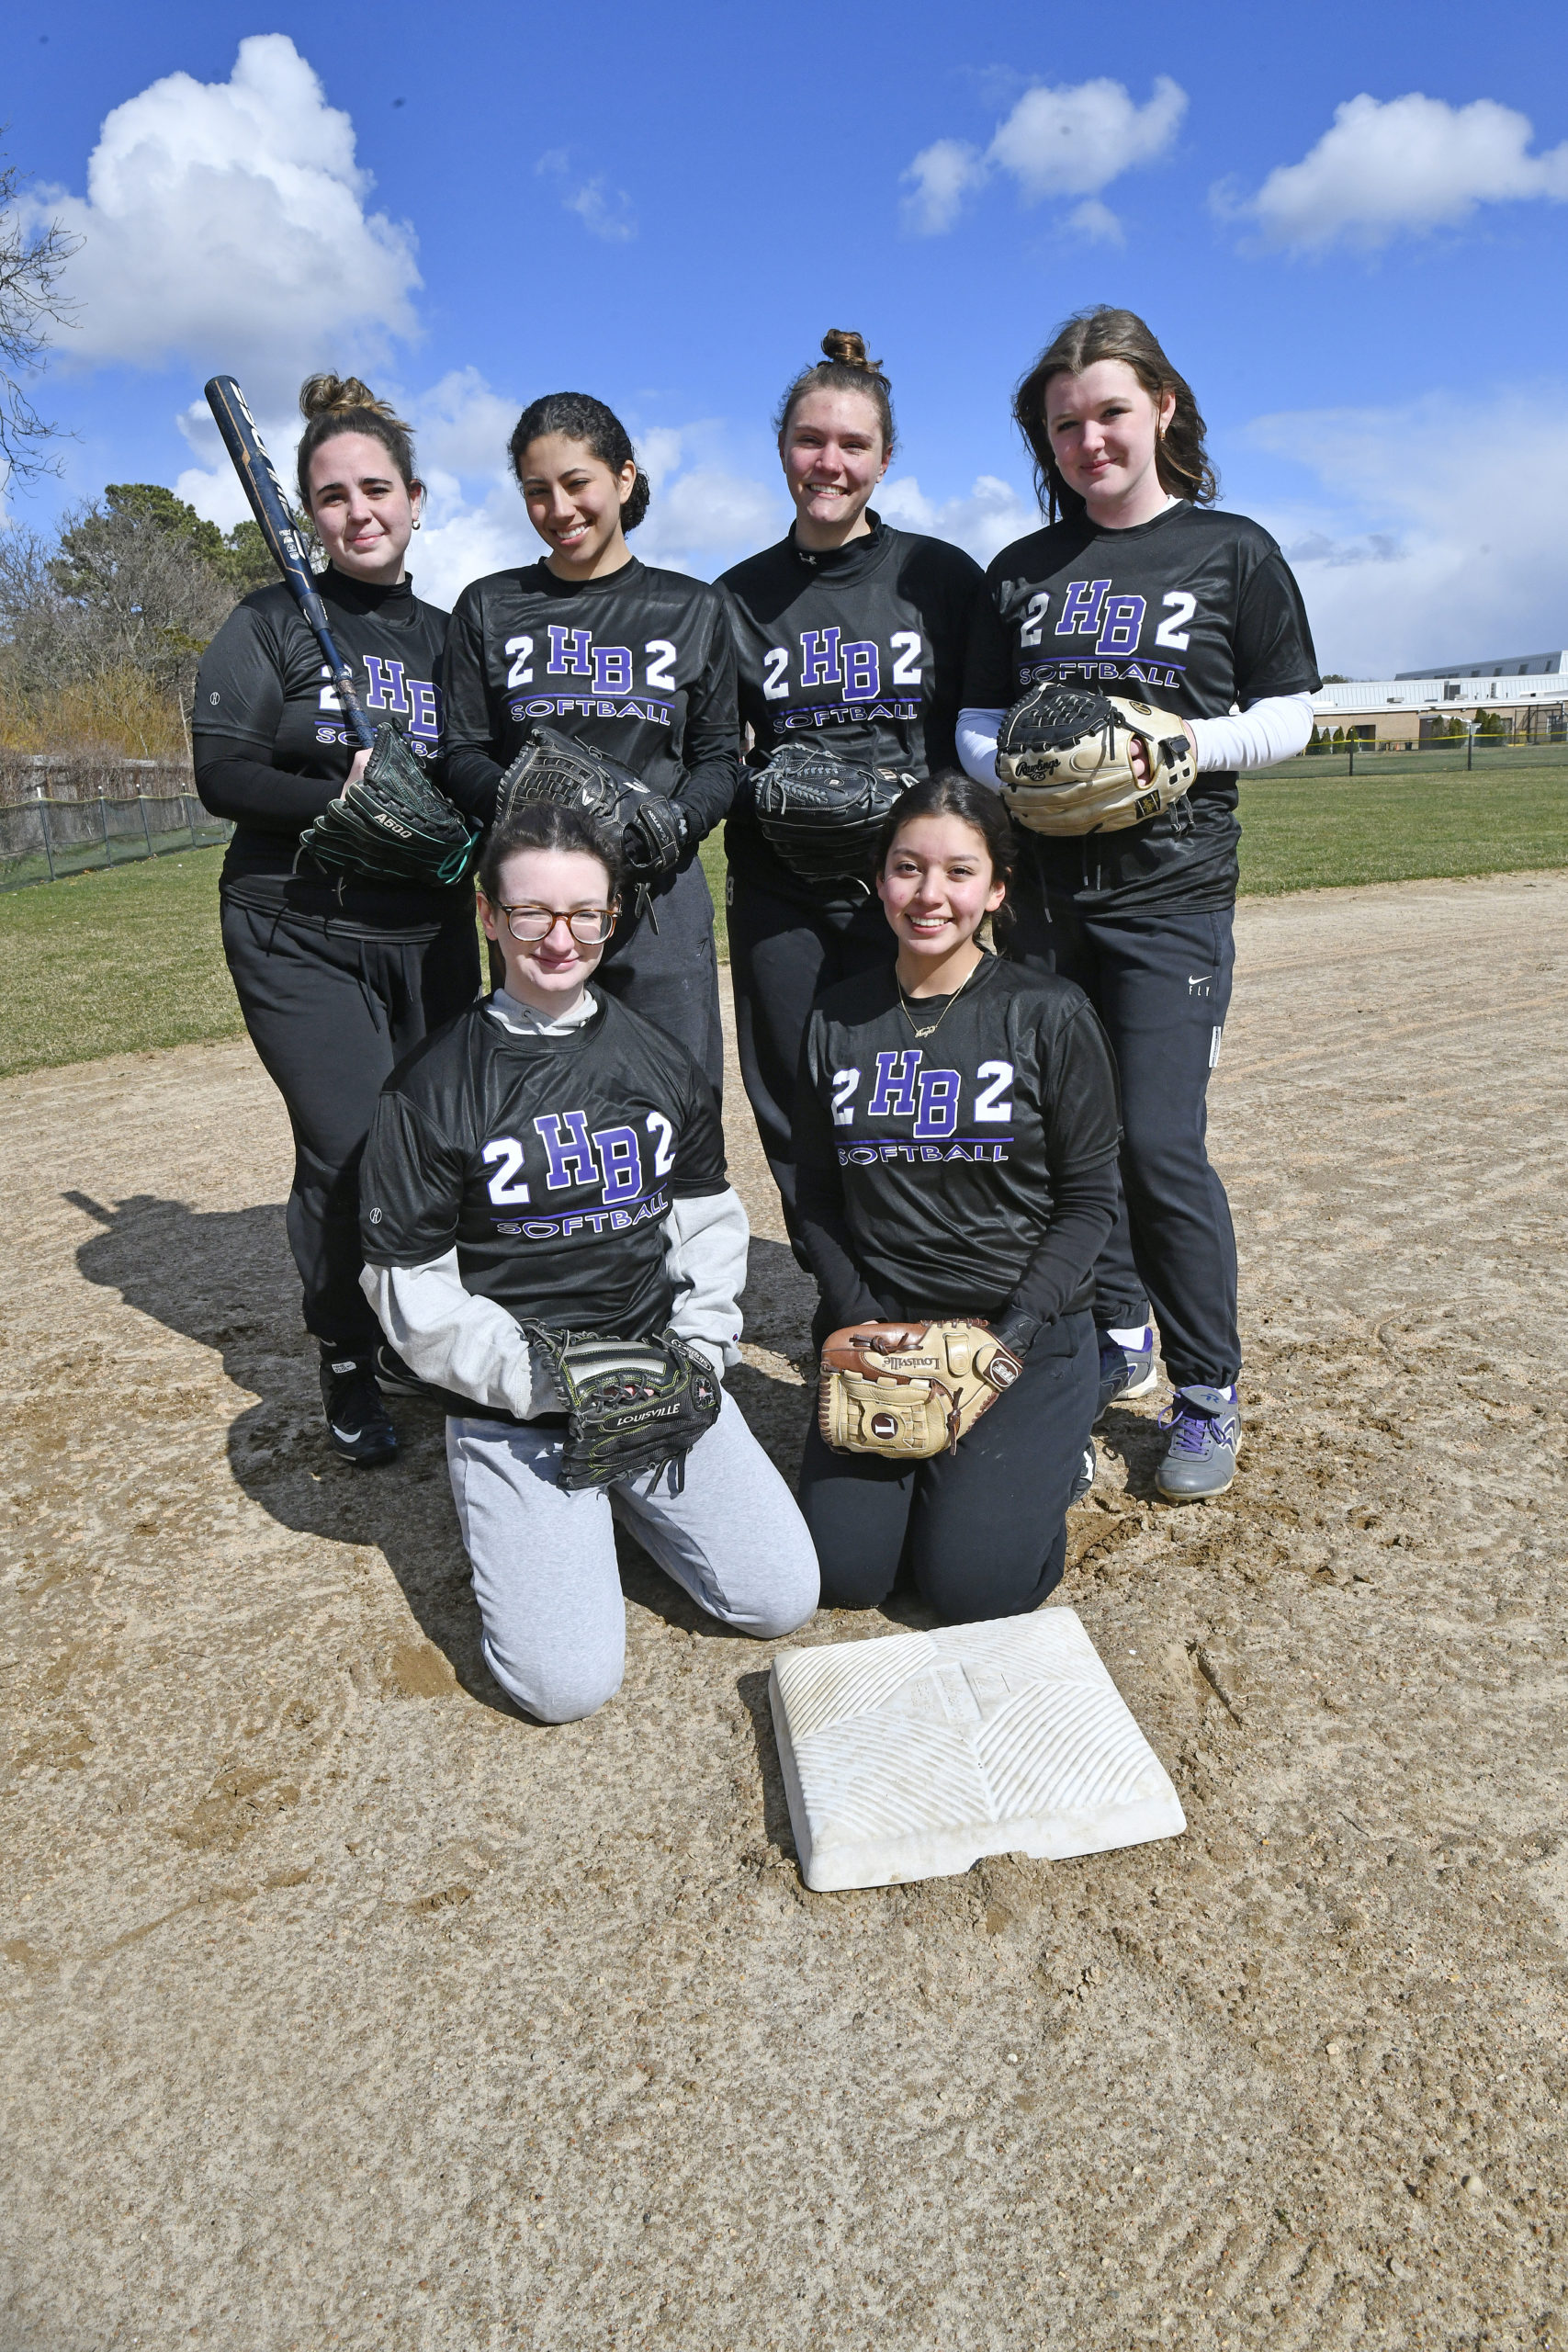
x=552 y=1159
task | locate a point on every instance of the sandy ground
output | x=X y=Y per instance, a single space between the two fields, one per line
x=344 y=2006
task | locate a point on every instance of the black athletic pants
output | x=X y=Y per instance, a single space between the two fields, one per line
x=782 y=956
x=984 y=1530
x=330 y=1013
x=1161 y=980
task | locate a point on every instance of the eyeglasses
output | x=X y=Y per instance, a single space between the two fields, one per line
x=589 y=926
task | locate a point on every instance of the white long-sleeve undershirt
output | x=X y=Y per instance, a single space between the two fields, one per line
x=1274 y=729
x=457 y=1340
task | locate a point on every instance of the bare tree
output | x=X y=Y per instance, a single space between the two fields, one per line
x=31 y=302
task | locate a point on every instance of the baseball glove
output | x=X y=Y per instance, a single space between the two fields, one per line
x=392 y=825
x=821 y=815
x=653 y=829
x=909 y=1391
x=632 y=1405
x=1062 y=761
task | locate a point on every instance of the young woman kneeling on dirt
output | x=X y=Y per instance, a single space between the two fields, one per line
x=955 y=1137
x=551 y=1166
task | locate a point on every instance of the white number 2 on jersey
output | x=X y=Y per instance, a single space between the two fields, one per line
x=505 y=1157
x=520 y=674
x=775 y=673
x=844 y=1085
x=998 y=1078
x=664 y=1149
x=1173 y=632
x=660 y=673
x=905 y=643
x=1034 y=614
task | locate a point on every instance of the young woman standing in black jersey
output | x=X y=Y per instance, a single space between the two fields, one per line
x=956 y=1138
x=1137 y=586
x=594 y=644
x=851 y=634
x=335 y=982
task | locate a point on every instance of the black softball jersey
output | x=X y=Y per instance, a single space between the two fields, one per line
x=272 y=746
x=640 y=662
x=956 y=1155
x=547 y=1162
x=1196 y=612
x=861 y=647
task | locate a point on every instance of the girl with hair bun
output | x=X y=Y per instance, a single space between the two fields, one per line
x=1139 y=587
x=848 y=638
x=336 y=980
x=589 y=644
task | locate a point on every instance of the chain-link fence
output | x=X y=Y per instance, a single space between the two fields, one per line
x=42 y=840
x=1443 y=755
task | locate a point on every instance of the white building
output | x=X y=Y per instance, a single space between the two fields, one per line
x=1528 y=689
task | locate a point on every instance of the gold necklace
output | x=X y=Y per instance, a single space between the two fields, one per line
x=932 y=1027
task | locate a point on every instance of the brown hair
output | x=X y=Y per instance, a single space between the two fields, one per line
x=334 y=404
x=1181 y=461
x=846 y=369
x=577 y=416
x=548 y=824
x=951 y=794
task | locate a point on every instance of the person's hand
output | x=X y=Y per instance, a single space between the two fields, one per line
x=361 y=760
x=1138 y=753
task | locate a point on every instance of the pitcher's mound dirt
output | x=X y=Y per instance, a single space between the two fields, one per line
x=347 y=2008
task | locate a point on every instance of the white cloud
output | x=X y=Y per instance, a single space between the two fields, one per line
x=1405 y=167
x=1440 y=531
x=604 y=212
x=225 y=222
x=1055 y=143
x=986 y=521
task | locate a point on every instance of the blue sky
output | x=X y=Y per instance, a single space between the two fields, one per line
x=1346 y=224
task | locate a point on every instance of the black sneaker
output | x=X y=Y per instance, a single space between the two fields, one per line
x=357 y=1422
x=1084 y=1480
x=392 y=1376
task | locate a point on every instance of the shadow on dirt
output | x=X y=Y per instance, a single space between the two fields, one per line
x=225 y=1279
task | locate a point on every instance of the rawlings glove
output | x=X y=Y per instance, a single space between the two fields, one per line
x=1062 y=765
x=656 y=839
x=632 y=1405
x=909 y=1391
x=821 y=815
x=392 y=825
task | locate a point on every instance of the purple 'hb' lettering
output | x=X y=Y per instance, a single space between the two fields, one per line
x=938 y=1112
x=1080 y=608
x=896 y=1076
x=611 y=669
x=385 y=689
x=424 y=708
x=569 y=653
x=819 y=658
x=570 y=1162
x=1123 y=625
x=863 y=672
x=621 y=1160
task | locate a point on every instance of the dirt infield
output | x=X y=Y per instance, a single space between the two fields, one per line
x=343 y=2006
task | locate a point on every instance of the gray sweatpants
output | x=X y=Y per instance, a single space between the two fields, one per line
x=544 y=1559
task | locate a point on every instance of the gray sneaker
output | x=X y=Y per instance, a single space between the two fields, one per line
x=1205 y=1438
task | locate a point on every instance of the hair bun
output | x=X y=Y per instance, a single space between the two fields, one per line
x=843 y=346
x=331 y=395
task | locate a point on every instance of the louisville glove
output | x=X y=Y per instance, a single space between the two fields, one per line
x=821 y=815
x=574 y=775
x=656 y=838
x=632 y=1405
x=909 y=1391
x=392 y=825
x=1062 y=765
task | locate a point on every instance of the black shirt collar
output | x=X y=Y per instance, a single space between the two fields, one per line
x=856 y=555
x=352 y=595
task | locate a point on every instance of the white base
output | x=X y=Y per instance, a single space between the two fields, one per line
x=912 y=1756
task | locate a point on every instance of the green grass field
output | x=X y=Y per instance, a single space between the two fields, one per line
x=128 y=960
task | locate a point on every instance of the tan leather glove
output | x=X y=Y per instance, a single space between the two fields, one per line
x=907 y=1391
